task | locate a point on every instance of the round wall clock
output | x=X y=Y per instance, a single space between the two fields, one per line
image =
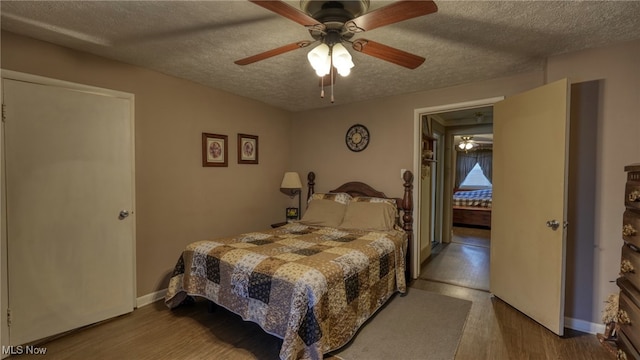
x=357 y=138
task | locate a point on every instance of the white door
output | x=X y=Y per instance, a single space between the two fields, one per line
x=531 y=132
x=69 y=173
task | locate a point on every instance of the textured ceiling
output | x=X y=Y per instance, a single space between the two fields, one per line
x=199 y=41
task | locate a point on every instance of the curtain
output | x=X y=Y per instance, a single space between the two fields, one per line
x=464 y=163
x=485 y=160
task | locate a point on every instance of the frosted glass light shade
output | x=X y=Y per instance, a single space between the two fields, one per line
x=319 y=59
x=341 y=59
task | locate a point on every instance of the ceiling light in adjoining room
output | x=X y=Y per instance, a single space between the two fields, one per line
x=466 y=144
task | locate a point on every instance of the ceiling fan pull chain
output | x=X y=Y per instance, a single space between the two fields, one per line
x=331 y=74
x=332 y=99
x=322 y=87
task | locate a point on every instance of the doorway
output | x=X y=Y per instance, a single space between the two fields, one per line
x=435 y=228
x=462 y=256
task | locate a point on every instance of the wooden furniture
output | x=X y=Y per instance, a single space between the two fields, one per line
x=628 y=337
x=472 y=207
x=473 y=216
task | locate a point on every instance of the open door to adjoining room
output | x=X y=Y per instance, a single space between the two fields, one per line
x=458 y=252
x=436 y=215
x=528 y=243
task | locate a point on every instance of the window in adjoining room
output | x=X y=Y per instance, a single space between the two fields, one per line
x=475 y=179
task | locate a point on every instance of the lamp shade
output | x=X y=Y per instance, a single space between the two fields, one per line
x=291 y=180
x=291 y=183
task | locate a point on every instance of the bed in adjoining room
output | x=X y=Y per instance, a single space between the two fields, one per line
x=472 y=208
x=314 y=282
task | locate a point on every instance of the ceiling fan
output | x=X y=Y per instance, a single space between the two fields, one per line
x=333 y=23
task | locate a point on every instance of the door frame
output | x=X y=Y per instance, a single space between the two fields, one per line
x=417 y=169
x=19 y=76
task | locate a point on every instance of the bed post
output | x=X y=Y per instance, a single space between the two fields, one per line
x=407 y=219
x=311 y=177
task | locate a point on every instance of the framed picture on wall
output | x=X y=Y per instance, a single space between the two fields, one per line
x=247 y=149
x=214 y=150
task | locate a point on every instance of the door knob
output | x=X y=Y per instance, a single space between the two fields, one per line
x=123 y=214
x=553 y=224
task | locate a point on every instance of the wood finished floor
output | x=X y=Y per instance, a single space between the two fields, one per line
x=494 y=330
x=463 y=262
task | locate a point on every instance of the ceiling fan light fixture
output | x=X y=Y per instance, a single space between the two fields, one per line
x=319 y=59
x=332 y=22
x=344 y=71
x=342 y=59
x=322 y=56
x=466 y=144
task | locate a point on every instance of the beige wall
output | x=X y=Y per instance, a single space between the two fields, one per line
x=177 y=200
x=318 y=142
x=617 y=144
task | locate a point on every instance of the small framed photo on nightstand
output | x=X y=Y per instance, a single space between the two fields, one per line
x=292 y=213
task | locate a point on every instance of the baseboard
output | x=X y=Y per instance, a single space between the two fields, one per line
x=584 y=326
x=150 y=298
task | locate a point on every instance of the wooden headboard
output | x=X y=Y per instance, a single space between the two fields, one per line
x=405 y=204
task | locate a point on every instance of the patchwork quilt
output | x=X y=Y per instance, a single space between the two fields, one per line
x=311 y=286
x=477 y=198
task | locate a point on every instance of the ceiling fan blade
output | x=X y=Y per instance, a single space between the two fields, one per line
x=283 y=9
x=273 y=52
x=388 y=53
x=391 y=14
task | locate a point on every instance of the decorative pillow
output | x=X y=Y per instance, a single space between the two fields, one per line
x=391 y=202
x=373 y=215
x=342 y=198
x=324 y=212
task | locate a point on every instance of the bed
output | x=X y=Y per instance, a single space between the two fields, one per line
x=312 y=282
x=472 y=207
